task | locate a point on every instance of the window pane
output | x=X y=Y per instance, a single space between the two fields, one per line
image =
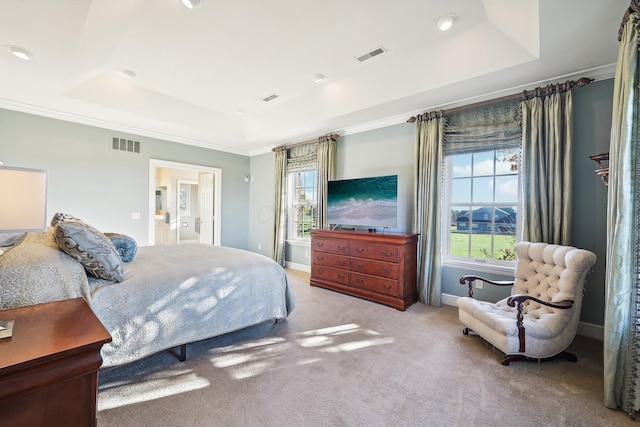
x=483 y=163
x=461 y=165
x=483 y=190
x=481 y=246
x=507 y=161
x=459 y=245
x=506 y=220
x=504 y=248
x=461 y=190
x=507 y=188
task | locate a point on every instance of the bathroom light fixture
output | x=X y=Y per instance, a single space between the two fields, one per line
x=20 y=52
x=192 y=4
x=317 y=78
x=445 y=22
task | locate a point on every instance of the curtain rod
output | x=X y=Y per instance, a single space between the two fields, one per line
x=633 y=8
x=328 y=137
x=524 y=95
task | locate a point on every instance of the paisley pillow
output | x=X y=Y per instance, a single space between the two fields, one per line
x=90 y=248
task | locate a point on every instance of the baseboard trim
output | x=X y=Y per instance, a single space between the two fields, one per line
x=585 y=329
x=299 y=267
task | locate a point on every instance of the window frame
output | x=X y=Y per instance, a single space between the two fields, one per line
x=476 y=264
x=292 y=237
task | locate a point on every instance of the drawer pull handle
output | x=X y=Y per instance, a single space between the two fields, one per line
x=387 y=253
x=319 y=244
x=387 y=287
x=342 y=262
x=320 y=271
x=341 y=276
x=360 y=250
x=387 y=269
x=320 y=258
x=360 y=281
x=360 y=265
x=341 y=248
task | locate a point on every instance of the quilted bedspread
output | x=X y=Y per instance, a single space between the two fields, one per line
x=171 y=295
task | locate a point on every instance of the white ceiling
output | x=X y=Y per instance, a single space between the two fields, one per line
x=195 y=69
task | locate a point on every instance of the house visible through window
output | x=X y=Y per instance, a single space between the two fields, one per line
x=303 y=204
x=482 y=197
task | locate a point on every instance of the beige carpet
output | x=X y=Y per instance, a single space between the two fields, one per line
x=343 y=361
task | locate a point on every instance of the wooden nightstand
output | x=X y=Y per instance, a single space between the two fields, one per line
x=49 y=367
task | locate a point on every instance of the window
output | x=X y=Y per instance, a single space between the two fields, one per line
x=303 y=202
x=482 y=196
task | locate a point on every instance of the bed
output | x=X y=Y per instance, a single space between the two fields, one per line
x=168 y=296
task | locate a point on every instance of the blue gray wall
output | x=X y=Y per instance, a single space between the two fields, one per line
x=91 y=181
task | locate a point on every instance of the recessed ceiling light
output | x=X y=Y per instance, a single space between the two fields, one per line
x=130 y=74
x=192 y=4
x=445 y=22
x=20 y=52
x=317 y=78
x=240 y=111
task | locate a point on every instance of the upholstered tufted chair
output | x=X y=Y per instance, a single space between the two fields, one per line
x=540 y=318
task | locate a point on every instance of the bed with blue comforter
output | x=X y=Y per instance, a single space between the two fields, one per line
x=168 y=295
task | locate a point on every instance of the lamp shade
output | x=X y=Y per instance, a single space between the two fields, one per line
x=23 y=199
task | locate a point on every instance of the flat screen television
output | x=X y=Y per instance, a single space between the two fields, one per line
x=368 y=202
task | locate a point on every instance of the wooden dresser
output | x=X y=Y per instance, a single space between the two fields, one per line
x=375 y=266
x=49 y=366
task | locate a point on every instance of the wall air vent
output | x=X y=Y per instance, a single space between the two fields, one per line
x=124 y=144
x=371 y=54
x=270 y=98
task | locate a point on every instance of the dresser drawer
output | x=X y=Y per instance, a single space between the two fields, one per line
x=329 y=259
x=375 y=268
x=334 y=246
x=374 y=251
x=331 y=274
x=375 y=284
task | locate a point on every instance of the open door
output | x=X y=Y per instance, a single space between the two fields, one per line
x=205 y=207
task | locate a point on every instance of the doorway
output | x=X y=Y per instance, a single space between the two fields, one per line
x=184 y=203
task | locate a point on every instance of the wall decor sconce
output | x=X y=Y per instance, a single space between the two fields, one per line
x=603 y=172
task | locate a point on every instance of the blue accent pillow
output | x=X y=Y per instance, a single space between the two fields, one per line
x=126 y=246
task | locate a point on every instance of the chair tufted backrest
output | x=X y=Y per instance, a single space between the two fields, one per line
x=551 y=273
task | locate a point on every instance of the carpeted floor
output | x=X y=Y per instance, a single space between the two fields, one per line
x=343 y=361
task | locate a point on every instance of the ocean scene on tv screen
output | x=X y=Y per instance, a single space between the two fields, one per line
x=371 y=202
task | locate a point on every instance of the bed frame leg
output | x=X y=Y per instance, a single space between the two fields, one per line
x=183 y=353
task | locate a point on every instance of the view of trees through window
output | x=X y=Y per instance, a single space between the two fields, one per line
x=303 y=214
x=484 y=195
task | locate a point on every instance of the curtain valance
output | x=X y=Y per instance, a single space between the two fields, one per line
x=302 y=157
x=496 y=126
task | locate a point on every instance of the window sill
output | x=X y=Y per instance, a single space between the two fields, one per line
x=299 y=242
x=482 y=267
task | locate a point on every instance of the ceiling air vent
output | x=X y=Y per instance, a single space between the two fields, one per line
x=123 y=144
x=371 y=54
x=270 y=98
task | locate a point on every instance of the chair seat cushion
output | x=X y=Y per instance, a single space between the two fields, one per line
x=540 y=324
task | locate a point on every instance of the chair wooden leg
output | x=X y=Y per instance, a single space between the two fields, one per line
x=519 y=357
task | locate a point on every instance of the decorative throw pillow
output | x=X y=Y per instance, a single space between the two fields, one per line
x=126 y=246
x=91 y=248
x=59 y=217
